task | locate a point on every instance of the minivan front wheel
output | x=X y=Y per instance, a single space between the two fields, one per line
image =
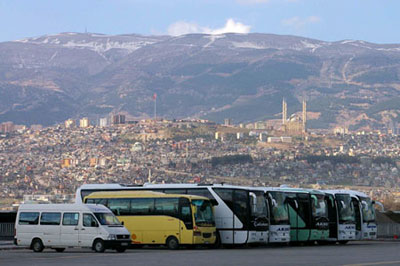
x=99 y=246
x=37 y=245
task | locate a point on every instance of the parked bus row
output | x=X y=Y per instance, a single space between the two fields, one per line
x=195 y=214
x=246 y=215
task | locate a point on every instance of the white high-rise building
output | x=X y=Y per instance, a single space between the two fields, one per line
x=84 y=122
x=103 y=122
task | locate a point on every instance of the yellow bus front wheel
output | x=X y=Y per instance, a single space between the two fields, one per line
x=172 y=243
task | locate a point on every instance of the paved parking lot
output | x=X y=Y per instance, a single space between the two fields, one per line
x=353 y=254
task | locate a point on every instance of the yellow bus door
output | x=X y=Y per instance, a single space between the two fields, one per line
x=185 y=222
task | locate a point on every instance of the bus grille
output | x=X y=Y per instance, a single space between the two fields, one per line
x=206 y=235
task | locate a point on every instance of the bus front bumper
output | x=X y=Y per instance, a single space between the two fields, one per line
x=205 y=238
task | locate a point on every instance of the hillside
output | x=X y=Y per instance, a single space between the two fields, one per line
x=241 y=76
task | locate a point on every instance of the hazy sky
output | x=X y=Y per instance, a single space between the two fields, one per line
x=330 y=20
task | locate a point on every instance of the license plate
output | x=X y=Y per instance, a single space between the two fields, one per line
x=124 y=244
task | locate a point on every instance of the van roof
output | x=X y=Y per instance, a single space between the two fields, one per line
x=63 y=207
x=140 y=194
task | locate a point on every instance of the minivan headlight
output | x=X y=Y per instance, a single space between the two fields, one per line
x=111 y=237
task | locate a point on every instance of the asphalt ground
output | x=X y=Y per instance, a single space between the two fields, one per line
x=352 y=254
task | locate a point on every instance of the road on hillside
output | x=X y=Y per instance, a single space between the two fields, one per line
x=353 y=254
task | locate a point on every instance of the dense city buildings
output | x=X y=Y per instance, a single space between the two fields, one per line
x=56 y=160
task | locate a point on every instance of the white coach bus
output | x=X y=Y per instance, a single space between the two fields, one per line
x=279 y=229
x=241 y=213
x=366 y=227
x=342 y=216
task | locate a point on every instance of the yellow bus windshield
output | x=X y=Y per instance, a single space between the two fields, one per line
x=203 y=214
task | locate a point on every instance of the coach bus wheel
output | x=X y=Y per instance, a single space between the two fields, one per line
x=37 y=245
x=59 y=249
x=98 y=246
x=120 y=249
x=343 y=242
x=172 y=242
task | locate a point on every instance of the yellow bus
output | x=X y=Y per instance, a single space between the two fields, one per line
x=159 y=218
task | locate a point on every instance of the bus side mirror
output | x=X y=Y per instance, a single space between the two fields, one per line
x=253 y=200
x=365 y=205
x=274 y=203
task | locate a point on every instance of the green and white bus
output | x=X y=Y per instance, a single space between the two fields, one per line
x=308 y=214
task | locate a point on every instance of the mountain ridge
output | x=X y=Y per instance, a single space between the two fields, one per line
x=239 y=76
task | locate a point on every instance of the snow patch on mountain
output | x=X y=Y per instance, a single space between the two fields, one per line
x=212 y=39
x=102 y=47
x=249 y=45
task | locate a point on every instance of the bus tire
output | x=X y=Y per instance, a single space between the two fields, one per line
x=98 y=246
x=343 y=242
x=37 y=245
x=60 y=249
x=172 y=243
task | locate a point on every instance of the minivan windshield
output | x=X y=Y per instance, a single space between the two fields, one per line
x=106 y=218
x=203 y=216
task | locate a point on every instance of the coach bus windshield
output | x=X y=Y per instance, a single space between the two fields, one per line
x=345 y=208
x=368 y=210
x=319 y=206
x=203 y=215
x=279 y=210
x=259 y=206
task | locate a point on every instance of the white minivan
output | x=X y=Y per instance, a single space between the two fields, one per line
x=59 y=226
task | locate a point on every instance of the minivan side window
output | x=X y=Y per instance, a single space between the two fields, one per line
x=50 y=218
x=89 y=220
x=70 y=218
x=28 y=218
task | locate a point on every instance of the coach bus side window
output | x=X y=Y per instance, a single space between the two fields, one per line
x=119 y=206
x=166 y=206
x=204 y=193
x=186 y=212
x=142 y=206
x=97 y=201
x=174 y=191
